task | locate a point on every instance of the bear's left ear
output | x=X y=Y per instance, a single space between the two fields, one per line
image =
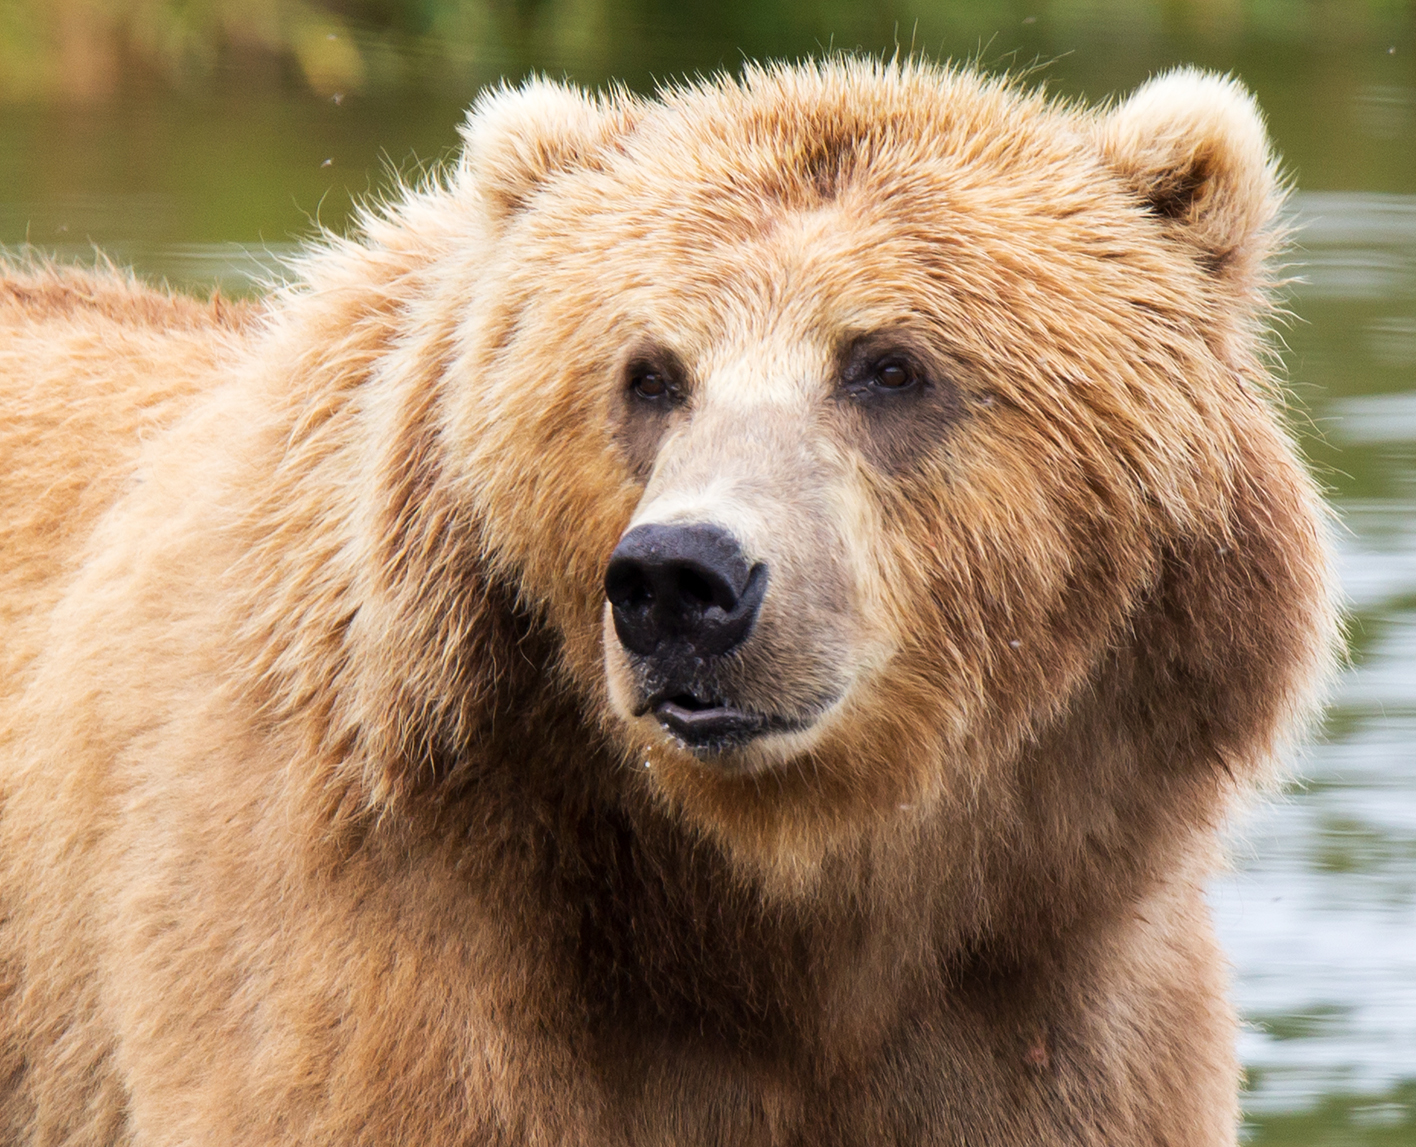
x=1193 y=147
x=515 y=139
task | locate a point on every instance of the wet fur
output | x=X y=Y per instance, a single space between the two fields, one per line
x=319 y=825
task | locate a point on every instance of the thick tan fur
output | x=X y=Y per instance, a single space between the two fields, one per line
x=328 y=816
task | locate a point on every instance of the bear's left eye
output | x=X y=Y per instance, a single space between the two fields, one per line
x=878 y=374
x=893 y=375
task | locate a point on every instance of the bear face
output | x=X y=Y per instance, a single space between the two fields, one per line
x=936 y=409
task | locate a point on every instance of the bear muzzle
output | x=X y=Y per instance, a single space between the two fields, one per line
x=682 y=598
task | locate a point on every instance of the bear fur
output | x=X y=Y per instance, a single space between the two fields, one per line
x=332 y=808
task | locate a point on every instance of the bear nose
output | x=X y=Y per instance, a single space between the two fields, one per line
x=687 y=585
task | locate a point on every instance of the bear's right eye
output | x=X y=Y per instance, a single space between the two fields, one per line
x=649 y=384
x=654 y=381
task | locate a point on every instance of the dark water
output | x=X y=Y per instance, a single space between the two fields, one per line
x=213 y=179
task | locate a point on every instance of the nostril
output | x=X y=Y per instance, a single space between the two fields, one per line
x=696 y=589
x=626 y=586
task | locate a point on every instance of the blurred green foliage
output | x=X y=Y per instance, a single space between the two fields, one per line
x=139 y=124
x=93 y=49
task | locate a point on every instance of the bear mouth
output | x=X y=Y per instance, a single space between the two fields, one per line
x=711 y=725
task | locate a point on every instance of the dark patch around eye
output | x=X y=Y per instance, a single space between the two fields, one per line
x=897 y=396
x=653 y=388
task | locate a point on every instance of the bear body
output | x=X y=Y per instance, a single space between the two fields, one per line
x=728 y=619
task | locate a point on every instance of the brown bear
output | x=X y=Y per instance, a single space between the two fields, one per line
x=732 y=618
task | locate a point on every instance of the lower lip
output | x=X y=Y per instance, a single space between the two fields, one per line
x=712 y=729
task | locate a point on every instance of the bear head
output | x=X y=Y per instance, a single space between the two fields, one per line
x=852 y=446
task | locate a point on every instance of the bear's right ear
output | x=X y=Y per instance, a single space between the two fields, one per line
x=1193 y=148
x=517 y=138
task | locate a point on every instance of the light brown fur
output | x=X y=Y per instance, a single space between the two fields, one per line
x=327 y=814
